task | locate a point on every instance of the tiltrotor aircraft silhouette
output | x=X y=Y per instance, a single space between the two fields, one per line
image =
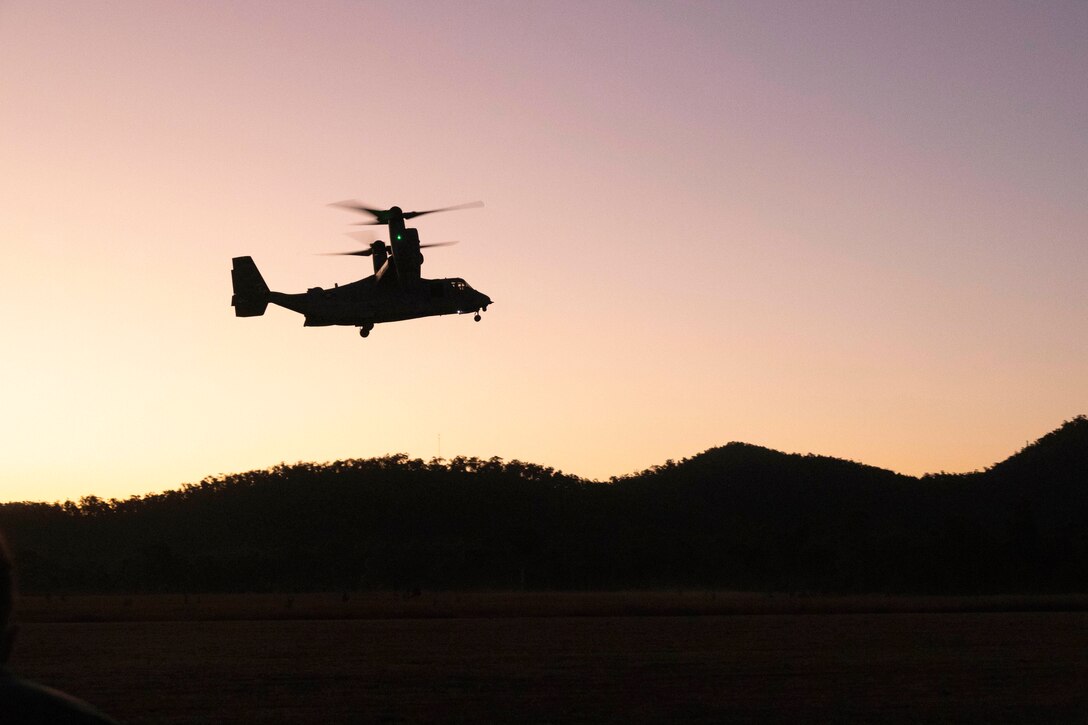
x=395 y=291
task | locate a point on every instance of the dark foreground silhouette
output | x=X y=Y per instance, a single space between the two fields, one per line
x=23 y=702
x=737 y=517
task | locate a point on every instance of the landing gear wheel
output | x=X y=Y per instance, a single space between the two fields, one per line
x=477 y=317
x=364 y=331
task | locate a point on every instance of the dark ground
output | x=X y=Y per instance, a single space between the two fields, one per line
x=1027 y=666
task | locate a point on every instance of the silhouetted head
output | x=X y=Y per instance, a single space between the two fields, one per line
x=7 y=602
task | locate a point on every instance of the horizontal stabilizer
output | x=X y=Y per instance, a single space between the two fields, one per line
x=250 y=291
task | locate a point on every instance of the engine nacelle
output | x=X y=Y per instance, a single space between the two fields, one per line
x=380 y=253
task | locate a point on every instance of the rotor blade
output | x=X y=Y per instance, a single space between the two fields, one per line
x=373 y=245
x=382 y=216
x=353 y=205
x=382 y=271
x=438 y=244
x=360 y=253
x=470 y=205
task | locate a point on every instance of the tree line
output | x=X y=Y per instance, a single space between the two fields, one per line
x=736 y=517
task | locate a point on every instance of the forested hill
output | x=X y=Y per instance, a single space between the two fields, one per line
x=735 y=517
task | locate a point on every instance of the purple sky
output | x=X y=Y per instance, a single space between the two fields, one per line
x=854 y=229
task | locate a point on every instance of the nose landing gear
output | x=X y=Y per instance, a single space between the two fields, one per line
x=364 y=330
x=477 y=317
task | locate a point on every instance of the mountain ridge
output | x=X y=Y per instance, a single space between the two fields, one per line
x=737 y=516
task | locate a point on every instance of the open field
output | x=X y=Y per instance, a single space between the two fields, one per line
x=939 y=664
x=427 y=605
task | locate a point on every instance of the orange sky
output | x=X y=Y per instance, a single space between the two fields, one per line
x=851 y=229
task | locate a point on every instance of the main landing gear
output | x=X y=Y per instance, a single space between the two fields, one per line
x=364 y=330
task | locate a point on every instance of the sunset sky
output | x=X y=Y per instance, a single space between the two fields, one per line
x=857 y=229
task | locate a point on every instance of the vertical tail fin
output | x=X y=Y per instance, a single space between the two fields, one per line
x=250 y=292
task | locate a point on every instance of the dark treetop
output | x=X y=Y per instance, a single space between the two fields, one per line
x=737 y=517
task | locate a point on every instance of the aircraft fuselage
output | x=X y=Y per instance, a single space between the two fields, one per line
x=368 y=302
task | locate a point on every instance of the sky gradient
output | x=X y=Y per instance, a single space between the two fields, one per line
x=852 y=229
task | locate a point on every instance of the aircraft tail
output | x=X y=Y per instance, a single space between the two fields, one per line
x=250 y=292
